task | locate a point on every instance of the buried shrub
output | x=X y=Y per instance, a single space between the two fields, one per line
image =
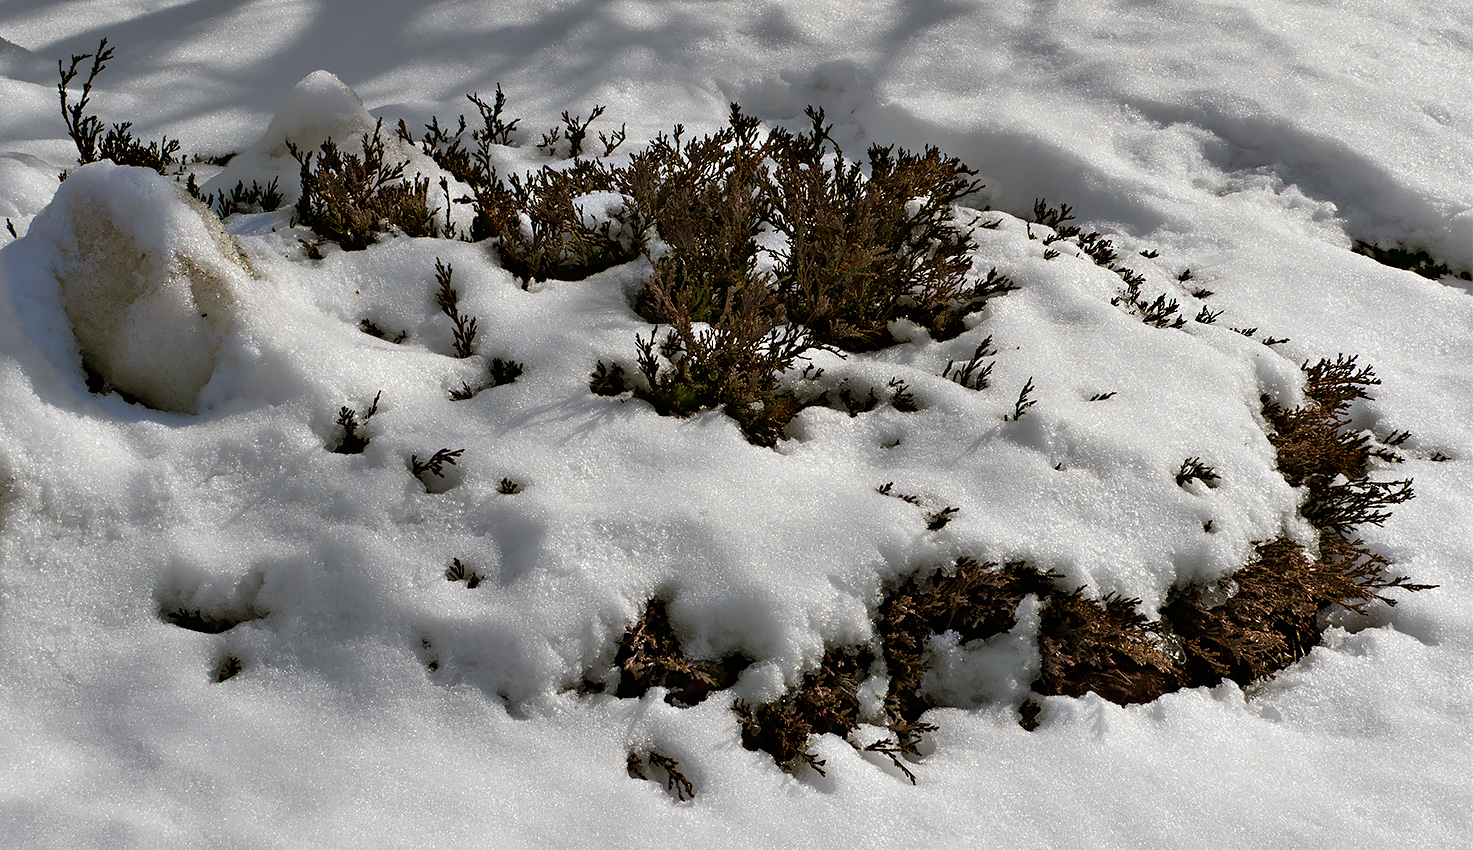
x=1266 y=616
x=975 y=600
x=1411 y=258
x=649 y=656
x=1317 y=451
x=859 y=253
x=351 y=200
x=1105 y=646
x=732 y=364
x=825 y=702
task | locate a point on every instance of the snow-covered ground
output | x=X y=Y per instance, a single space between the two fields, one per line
x=380 y=705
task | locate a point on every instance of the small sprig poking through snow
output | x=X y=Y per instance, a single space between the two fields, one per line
x=1160 y=313
x=1193 y=469
x=675 y=782
x=436 y=464
x=350 y=420
x=1055 y=217
x=508 y=487
x=448 y=300
x=938 y=520
x=608 y=380
x=1023 y=404
x=504 y=372
x=373 y=329
x=888 y=489
x=901 y=398
x=855 y=404
x=228 y=668
x=499 y=373
x=458 y=572
x=894 y=750
x=974 y=373
x=1099 y=249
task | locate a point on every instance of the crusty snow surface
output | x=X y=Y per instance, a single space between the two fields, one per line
x=1250 y=142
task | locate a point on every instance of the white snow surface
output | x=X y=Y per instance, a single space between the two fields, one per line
x=1248 y=140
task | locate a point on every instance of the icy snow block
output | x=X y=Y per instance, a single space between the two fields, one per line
x=146 y=275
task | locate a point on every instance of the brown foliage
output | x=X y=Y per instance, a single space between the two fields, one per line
x=707 y=199
x=826 y=702
x=863 y=252
x=350 y=199
x=975 y=600
x=650 y=656
x=1105 y=646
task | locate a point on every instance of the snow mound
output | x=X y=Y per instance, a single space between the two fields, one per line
x=146 y=276
x=320 y=108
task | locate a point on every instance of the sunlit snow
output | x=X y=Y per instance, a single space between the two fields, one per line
x=1251 y=142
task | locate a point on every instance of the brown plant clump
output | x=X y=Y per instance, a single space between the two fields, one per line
x=650 y=656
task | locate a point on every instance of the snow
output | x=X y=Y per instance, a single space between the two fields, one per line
x=1251 y=141
x=147 y=277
